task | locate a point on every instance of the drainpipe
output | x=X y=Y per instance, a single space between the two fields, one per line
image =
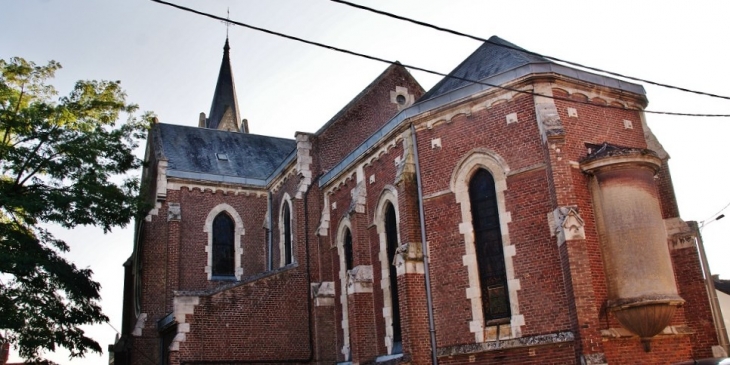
x=424 y=249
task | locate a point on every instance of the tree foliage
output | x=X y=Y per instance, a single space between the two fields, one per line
x=59 y=160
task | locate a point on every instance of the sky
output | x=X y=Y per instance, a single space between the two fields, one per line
x=168 y=60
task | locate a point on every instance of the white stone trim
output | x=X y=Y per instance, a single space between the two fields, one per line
x=360 y=279
x=402 y=91
x=239 y=231
x=304 y=163
x=139 y=325
x=286 y=200
x=388 y=195
x=492 y=162
x=323 y=293
x=340 y=237
x=324 y=220
x=161 y=184
x=182 y=306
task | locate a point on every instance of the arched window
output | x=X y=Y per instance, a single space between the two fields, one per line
x=391 y=234
x=347 y=247
x=287 y=249
x=223 y=248
x=488 y=245
x=344 y=251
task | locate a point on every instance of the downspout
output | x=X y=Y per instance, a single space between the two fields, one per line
x=424 y=248
x=270 y=235
x=309 y=273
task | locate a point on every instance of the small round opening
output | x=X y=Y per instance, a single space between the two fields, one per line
x=400 y=99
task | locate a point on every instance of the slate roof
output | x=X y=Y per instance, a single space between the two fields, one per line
x=488 y=60
x=225 y=93
x=191 y=152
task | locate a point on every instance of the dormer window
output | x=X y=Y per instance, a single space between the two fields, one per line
x=221 y=156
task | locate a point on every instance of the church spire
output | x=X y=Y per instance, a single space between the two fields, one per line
x=224 y=113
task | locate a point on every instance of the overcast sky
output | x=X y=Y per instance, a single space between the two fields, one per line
x=168 y=60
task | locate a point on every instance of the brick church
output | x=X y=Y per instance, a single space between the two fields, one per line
x=519 y=212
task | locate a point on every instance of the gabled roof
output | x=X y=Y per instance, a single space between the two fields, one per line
x=225 y=93
x=214 y=155
x=394 y=67
x=492 y=58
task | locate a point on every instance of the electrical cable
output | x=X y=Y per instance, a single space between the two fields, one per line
x=373 y=58
x=715 y=215
x=455 y=32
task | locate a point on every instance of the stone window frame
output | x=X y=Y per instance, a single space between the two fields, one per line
x=388 y=195
x=465 y=169
x=286 y=199
x=345 y=324
x=237 y=236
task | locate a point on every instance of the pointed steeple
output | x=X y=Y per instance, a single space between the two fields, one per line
x=224 y=113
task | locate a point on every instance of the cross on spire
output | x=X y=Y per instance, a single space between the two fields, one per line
x=227 y=22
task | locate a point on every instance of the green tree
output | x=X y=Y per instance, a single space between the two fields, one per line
x=59 y=160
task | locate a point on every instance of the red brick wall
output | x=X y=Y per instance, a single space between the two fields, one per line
x=518 y=143
x=664 y=350
x=263 y=320
x=596 y=125
x=195 y=207
x=364 y=117
x=696 y=310
x=527 y=199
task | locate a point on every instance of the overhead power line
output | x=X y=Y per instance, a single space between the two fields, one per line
x=373 y=58
x=717 y=214
x=455 y=32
